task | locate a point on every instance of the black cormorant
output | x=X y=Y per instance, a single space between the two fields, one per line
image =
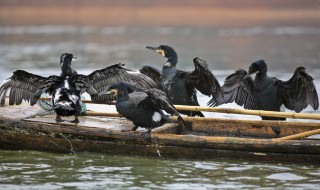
x=180 y=86
x=67 y=88
x=143 y=107
x=268 y=93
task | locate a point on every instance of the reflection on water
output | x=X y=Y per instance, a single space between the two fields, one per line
x=34 y=170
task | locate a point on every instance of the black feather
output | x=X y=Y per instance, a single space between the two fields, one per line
x=140 y=106
x=268 y=93
x=181 y=86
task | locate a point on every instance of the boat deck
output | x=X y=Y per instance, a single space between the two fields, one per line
x=26 y=127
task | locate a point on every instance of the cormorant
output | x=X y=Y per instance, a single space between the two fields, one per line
x=67 y=88
x=180 y=86
x=268 y=93
x=143 y=107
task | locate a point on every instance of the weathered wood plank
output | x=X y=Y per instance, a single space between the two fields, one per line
x=239 y=127
x=187 y=141
x=61 y=145
x=252 y=128
x=120 y=124
x=17 y=113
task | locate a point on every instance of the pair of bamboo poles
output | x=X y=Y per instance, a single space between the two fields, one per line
x=232 y=111
x=239 y=111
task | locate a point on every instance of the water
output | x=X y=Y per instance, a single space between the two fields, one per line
x=37 y=50
x=283 y=47
x=38 y=170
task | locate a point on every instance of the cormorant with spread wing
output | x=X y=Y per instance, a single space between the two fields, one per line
x=268 y=93
x=180 y=86
x=143 y=107
x=67 y=88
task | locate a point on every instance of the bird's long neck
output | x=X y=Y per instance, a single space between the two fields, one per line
x=66 y=69
x=170 y=66
x=172 y=60
x=261 y=81
x=262 y=76
x=168 y=72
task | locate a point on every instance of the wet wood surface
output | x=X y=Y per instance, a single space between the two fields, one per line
x=251 y=128
x=239 y=127
x=17 y=113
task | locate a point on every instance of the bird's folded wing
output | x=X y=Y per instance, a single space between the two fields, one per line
x=101 y=79
x=159 y=100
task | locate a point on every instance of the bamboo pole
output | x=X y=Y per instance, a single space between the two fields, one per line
x=251 y=112
x=236 y=111
x=300 y=135
x=208 y=119
x=106 y=114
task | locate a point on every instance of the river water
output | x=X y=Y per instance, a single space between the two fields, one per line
x=39 y=170
x=37 y=50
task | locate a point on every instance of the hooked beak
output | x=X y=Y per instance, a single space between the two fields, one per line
x=160 y=51
x=151 y=48
x=74 y=58
x=110 y=92
x=249 y=74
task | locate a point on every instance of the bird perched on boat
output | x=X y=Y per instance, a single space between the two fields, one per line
x=180 y=86
x=67 y=88
x=268 y=93
x=143 y=107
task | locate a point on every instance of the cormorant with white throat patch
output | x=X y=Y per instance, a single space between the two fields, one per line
x=181 y=86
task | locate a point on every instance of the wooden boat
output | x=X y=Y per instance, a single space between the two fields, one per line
x=24 y=127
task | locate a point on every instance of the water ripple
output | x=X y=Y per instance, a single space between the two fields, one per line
x=103 y=169
x=99 y=171
x=285 y=177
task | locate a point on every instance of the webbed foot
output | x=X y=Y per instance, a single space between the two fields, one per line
x=76 y=120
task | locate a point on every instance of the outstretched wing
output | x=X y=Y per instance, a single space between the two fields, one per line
x=299 y=91
x=101 y=79
x=236 y=88
x=132 y=87
x=152 y=72
x=82 y=84
x=25 y=86
x=202 y=79
x=159 y=100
